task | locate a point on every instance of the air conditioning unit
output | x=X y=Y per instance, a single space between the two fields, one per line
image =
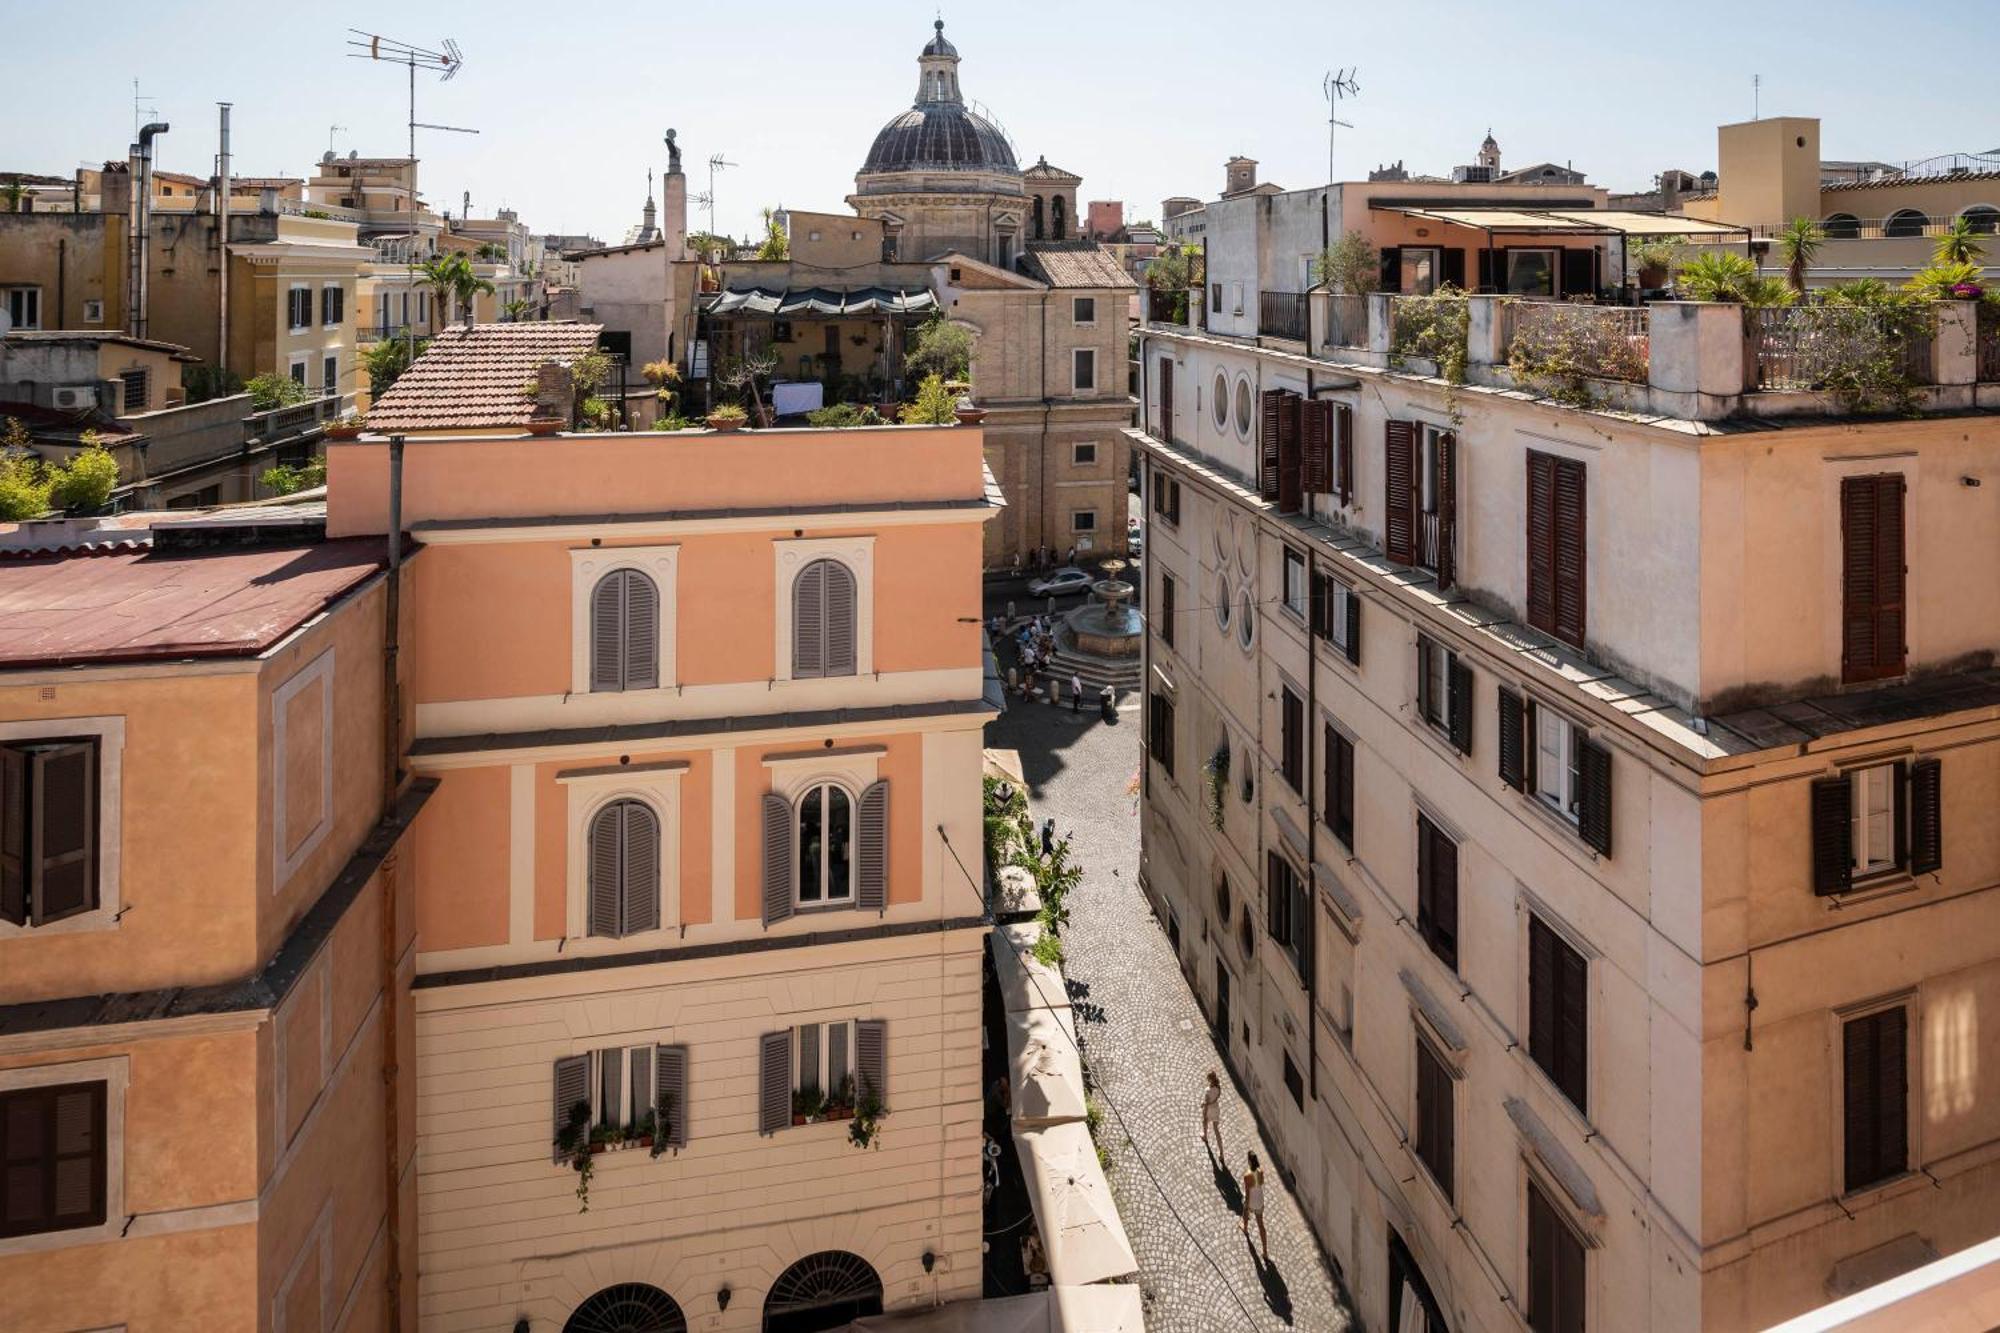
x=76 y=397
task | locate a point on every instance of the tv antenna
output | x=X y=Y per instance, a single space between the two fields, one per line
x=1338 y=84
x=332 y=130
x=1756 y=97
x=715 y=164
x=143 y=109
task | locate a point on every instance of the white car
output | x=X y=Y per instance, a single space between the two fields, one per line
x=1064 y=581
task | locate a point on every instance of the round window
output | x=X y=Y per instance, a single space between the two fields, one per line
x=1222 y=604
x=1222 y=899
x=1246 y=620
x=1221 y=404
x=1246 y=937
x=1243 y=408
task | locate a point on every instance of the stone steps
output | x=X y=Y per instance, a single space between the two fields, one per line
x=1096 y=672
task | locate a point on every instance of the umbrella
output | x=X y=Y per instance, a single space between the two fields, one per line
x=1081 y=1233
x=1057 y=1310
x=1024 y=982
x=1047 y=1076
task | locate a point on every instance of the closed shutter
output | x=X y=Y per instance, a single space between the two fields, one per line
x=1269 y=443
x=607 y=837
x=1926 y=823
x=1569 y=552
x=1342 y=760
x=1166 y=616
x=1322 y=605
x=1291 y=465
x=14 y=835
x=777 y=859
x=78 y=1162
x=572 y=1089
x=671 y=1094
x=1292 y=738
x=642 y=632
x=62 y=824
x=1435 y=1127
x=1354 y=626
x=1344 y=452
x=1460 y=705
x=809 y=622
x=1454 y=268
x=1437 y=891
x=1399 y=513
x=1447 y=509
x=53 y=1141
x=1872 y=577
x=1874 y=1097
x=1573 y=1025
x=841 y=631
x=1555 y=1269
x=873 y=857
x=607 y=632
x=871 y=1059
x=1832 y=850
x=1541 y=541
x=774 y=1081
x=1513 y=742
x=1316 y=430
x=641 y=865
x=1542 y=995
x=1165 y=423
x=1593 y=812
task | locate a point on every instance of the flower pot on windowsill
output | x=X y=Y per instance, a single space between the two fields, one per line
x=970 y=416
x=344 y=430
x=726 y=425
x=544 y=425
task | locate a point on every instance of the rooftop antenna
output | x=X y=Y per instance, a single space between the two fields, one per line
x=1756 y=97
x=143 y=109
x=715 y=164
x=332 y=130
x=445 y=64
x=1339 y=83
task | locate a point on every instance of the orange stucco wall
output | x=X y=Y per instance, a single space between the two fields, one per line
x=902 y=765
x=462 y=861
x=192 y=1280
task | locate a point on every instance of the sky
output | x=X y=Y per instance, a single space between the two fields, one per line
x=1143 y=102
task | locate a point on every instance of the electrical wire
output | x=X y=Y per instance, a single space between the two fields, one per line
x=1112 y=1102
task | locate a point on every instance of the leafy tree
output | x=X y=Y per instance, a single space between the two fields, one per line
x=517 y=309
x=940 y=348
x=14 y=191
x=24 y=483
x=1958 y=244
x=1350 y=264
x=934 y=404
x=1799 y=242
x=490 y=252
x=205 y=382
x=284 y=479
x=273 y=391
x=85 y=481
x=1938 y=280
x=386 y=359
x=777 y=244
x=709 y=247
x=452 y=280
x=1175 y=269
x=1717 y=275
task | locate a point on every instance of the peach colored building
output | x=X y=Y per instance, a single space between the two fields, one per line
x=205 y=949
x=701 y=879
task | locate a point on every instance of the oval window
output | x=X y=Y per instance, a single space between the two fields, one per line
x=1246 y=620
x=1222 y=604
x=1243 y=408
x=1221 y=404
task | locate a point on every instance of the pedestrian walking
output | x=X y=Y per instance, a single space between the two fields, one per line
x=1010 y=601
x=1107 y=702
x=1075 y=692
x=1014 y=680
x=1070 y=559
x=1049 y=836
x=1211 y=1112
x=1253 y=1203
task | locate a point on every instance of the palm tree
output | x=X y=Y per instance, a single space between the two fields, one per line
x=1956 y=245
x=1799 y=243
x=451 y=279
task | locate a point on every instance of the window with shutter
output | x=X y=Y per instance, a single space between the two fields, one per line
x=640 y=1088
x=1316 y=435
x=1555 y=1269
x=1288 y=912
x=572 y=1097
x=774 y=1081
x=778 y=874
x=1165 y=619
x=1593 y=804
x=825 y=855
x=823 y=621
x=1270 y=436
x=1164 y=423
x=1926 y=817
x=624 y=632
x=1558 y=1010
x=1872 y=577
x=1443 y=507
x=872 y=865
x=1459 y=730
x=671 y=1095
x=1435 y=1125
x=1160 y=731
x=1875 y=1097
x=1513 y=739
x=1832 y=868
x=624 y=872
x=1437 y=891
x=52 y=1153
x=1399 y=536
x=1292 y=738
x=1556 y=546
x=1343 y=476
x=871 y=1060
x=48 y=830
x=1338 y=799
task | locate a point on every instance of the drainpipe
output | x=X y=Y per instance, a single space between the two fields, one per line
x=392 y=1174
x=222 y=244
x=142 y=249
x=1309 y=745
x=62 y=283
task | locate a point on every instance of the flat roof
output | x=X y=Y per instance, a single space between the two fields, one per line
x=1583 y=221
x=127 y=605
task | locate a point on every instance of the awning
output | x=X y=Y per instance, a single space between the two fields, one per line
x=1081 y=1234
x=1577 y=221
x=1101 y=1309
x=820 y=302
x=1044 y=1070
x=1024 y=983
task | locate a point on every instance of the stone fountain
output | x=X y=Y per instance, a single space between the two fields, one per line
x=1107 y=627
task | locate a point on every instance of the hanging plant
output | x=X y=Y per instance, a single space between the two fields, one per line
x=1216 y=775
x=865 y=1130
x=1433 y=327
x=662 y=1123
x=573 y=1145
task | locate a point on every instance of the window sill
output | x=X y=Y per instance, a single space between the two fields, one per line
x=1885 y=1191
x=821 y=909
x=1888 y=884
x=1560 y=823
x=1440 y=740
x=101 y=918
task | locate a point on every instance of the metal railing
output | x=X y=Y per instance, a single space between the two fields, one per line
x=1987 y=336
x=1810 y=346
x=373 y=333
x=1430 y=538
x=1282 y=315
x=1838 y=226
x=1166 y=305
x=1347 y=320
x=305 y=208
x=1606 y=341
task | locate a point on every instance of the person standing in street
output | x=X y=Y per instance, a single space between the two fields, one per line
x=1211 y=1112
x=1253 y=1204
x=1075 y=693
x=1049 y=836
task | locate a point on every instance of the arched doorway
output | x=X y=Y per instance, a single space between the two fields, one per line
x=822 y=1291
x=629 y=1307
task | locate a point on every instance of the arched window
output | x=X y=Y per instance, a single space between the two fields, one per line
x=1841 y=226
x=1905 y=222
x=1983 y=219
x=624 y=870
x=1038 y=217
x=826 y=846
x=629 y=1307
x=823 y=621
x=624 y=632
x=822 y=1291
x=1061 y=220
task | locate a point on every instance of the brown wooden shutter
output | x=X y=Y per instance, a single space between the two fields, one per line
x=1541 y=516
x=14 y=763
x=1320 y=606
x=1292 y=737
x=572 y=1087
x=1593 y=813
x=1166 y=417
x=1874 y=1098
x=841 y=631
x=1316 y=429
x=1555 y=1269
x=76 y=1162
x=1460 y=704
x=606 y=868
x=671 y=1094
x=809 y=622
x=1329 y=795
x=607 y=632
x=62 y=871
x=1343 y=810
x=1832 y=846
x=1354 y=626
x=640 y=882
x=1513 y=739
x=1436 y=1129
x=642 y=632
x=774 y=1081
x=1166 y=616
x=1542 y=995
x=778 y=869
x=1291 y=464
x=1872 y=577
x=1426 y=707
x=1344 y=453
x=1447 y=509
x=1437 y=891
x=872 y=852
x=871 y=1058
x=1399 y=523
x=1270 y=435
x=1573 y=1024
x=1569 y=553
x=1926 y=821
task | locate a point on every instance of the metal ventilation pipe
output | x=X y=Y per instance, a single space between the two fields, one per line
x=222 y=245
x=142 y=239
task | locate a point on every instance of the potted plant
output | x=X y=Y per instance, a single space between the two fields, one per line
x=348 y=428
x=840 y=1101
x=728 y=417
x=808 y=1104
x=545 y=425
x=865 y=1130
x=967 y=413
x=573 y=1146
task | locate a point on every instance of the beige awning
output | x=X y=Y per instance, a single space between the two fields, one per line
x=1045 y=1073
x=1024 y=983
x=1100 y=1309
x=1577 y=221
x=1081 y=1234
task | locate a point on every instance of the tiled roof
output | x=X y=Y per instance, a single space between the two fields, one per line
x=1074 y=264
x=1888 y=182
x=471 y=378
x=92 y=337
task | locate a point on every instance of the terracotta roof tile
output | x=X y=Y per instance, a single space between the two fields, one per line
x=1074 y=264
x=471 y=378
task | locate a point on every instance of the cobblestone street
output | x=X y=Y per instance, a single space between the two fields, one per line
x=1149 y=1048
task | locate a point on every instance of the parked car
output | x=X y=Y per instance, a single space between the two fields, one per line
x=1064 y=581
x=1135 y=539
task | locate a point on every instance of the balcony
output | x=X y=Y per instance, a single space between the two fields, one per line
x=282 y=424
x=1601 y=341
x=1283 y=315
x=1167 y=306
x=1814 y=347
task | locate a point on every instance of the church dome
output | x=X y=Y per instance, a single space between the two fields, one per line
x=940 y=132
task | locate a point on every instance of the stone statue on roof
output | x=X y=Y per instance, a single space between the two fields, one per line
x=673 y=155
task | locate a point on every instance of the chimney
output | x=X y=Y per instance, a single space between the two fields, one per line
x=1670 y=190
x=1241 y=174
x=555 y=390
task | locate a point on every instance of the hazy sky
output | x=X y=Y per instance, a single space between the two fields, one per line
x=1142 y=101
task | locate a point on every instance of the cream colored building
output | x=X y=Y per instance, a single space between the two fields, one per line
x=706 y=858
x=1573 y=819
